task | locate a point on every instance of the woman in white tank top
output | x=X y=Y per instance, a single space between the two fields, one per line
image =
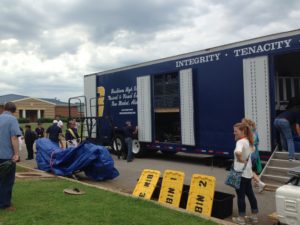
x=242 y=155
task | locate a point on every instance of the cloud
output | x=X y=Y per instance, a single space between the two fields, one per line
x=46 y=46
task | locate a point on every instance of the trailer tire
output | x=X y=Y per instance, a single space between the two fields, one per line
x=119 y=146
x=136 y=149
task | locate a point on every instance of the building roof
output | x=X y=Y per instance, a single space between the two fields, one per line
x=10 y=98
x=55 y=101
x=15 y=97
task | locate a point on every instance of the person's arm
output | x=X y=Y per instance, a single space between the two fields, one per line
x=298 y=129
x=15 y=145
x=239 y=157
x=47 y=133
x=34 y=136
x=238 y=151
x=60 y=140
x=136 y=130
x=61 y=143
x=68 y=136
x=60 y=135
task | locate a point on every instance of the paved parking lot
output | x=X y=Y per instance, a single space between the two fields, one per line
x=189 y=164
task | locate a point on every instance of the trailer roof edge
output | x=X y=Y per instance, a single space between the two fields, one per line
x=199 y=52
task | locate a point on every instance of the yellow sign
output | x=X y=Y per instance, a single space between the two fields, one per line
x=101 y=92
x=171 y=188
x=201 y=194
x=146 y=184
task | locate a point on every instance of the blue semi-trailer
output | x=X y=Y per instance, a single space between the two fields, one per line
x=190 y=102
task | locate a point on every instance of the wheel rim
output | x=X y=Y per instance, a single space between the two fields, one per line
x=117 y=143
x=136 y=148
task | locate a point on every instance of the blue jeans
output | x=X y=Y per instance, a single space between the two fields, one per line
x=246 y=190
x=128 y=142
x=6 y=186
x=286 y=136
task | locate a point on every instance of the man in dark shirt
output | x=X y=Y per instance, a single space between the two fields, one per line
x=30 y=137
x=129 y=131
x=40 y=131
x=284 y=123
x=54 y=133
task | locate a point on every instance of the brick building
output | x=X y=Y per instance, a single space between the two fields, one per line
x=36 y=108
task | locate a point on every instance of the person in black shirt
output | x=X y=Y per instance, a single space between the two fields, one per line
x=284 y=123
x=72 y=137
x=129 y=131
x=30 y=137
x=40 y=131
x=54 y=133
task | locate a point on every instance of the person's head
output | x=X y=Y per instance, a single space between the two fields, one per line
x=249 y=122
x=27 y=127
x=10 y=107
x=55 y=122
x=242 y=130
x=72 y=123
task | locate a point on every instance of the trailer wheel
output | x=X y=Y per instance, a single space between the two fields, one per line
x=136 y=148
x=119 y=146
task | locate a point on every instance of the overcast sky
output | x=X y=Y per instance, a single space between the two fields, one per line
x=46 y=46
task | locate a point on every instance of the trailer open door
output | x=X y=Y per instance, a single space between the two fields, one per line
x=90 y=93
x=257 y=97
x=187 y=107
x=144 y=109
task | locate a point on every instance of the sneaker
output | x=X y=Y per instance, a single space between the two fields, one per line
x=292 y=160
x=239 y=220
x=252 y=219
x=261 y=186
x=10 y=209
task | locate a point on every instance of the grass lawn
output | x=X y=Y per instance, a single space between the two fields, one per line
x=42 y=202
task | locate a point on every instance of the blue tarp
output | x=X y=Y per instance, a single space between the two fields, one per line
x=94 y=160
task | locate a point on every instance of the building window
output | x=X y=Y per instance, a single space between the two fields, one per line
x=20 y=113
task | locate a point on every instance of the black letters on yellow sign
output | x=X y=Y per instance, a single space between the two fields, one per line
x=146 y=184
x=149 y=176
x=198 y=209
x=199 y=204
x=148 y=180
x=202 y=183
x=201 y=194
x=142 y=195
x=171 y=191
x=169 y=200
x=171 y=187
